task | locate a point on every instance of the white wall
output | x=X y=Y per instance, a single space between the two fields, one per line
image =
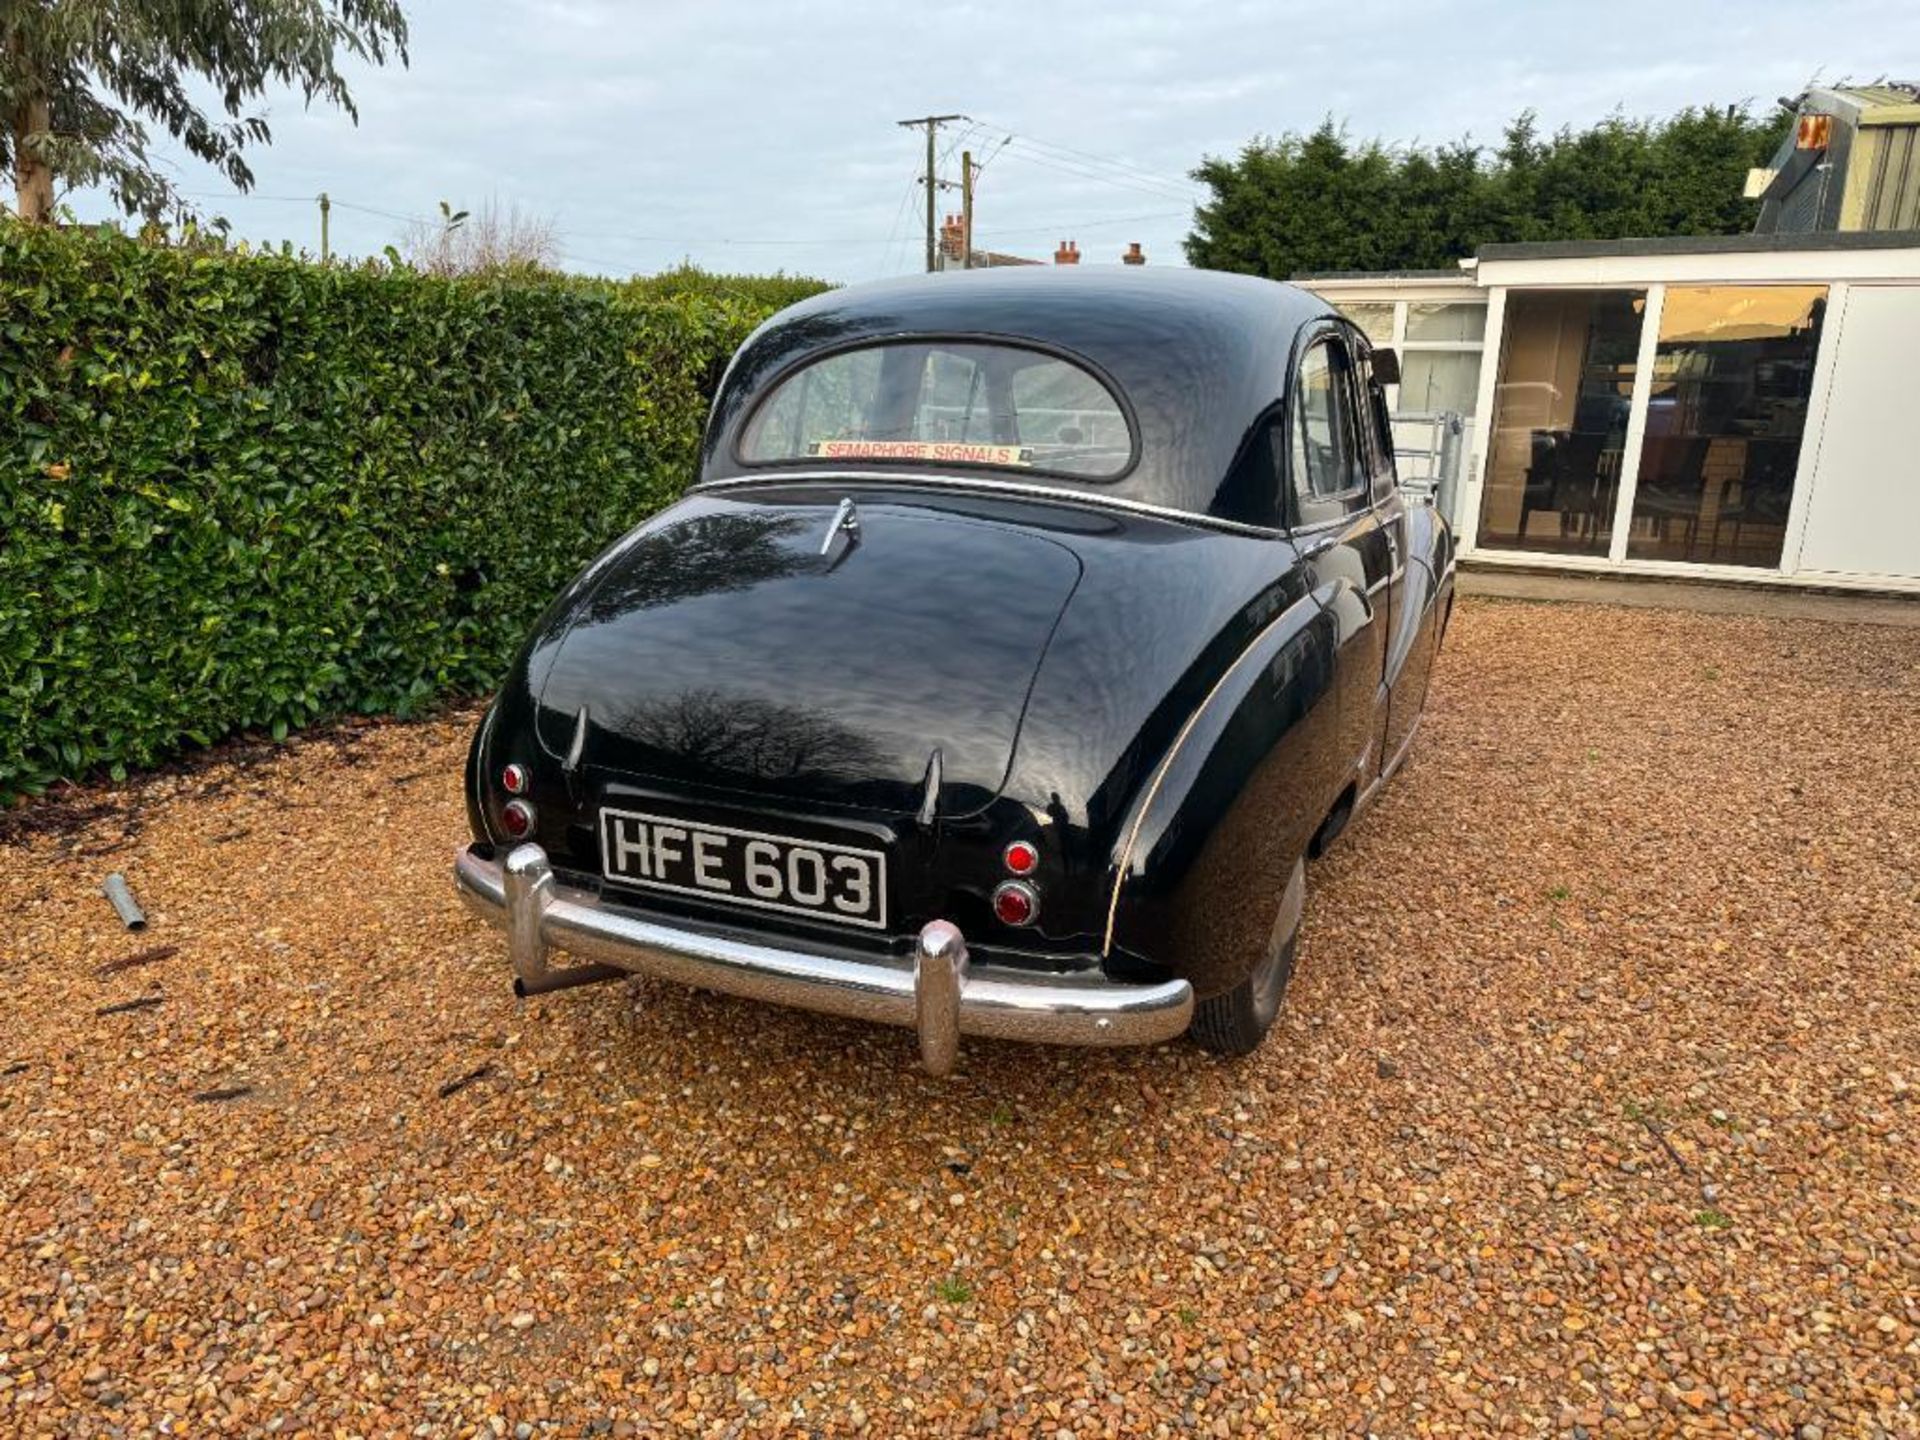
x=1863 y=497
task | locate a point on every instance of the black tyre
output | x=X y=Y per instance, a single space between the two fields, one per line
x=1236 y=1022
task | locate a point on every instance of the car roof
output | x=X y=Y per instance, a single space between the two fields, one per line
x=1198 y=355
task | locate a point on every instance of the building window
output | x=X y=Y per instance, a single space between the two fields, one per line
x=1435 y=380
x=1375 y=320
x=1726 y=407
x=1560 y=410
x=1448 y=321
x=1439 y=344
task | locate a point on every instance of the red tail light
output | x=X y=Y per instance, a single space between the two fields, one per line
x=1021 y=858
x=517 y=818
x=1015 y=903
x=513 y=779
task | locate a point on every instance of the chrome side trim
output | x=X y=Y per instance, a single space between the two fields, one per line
x=926 y=481
x=938 y=993
x=483 y=746
x=1392 y=767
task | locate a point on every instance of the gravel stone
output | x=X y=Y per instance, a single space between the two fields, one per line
x=1649 y=879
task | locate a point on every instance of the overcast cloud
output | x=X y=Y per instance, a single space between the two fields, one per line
x=762 y=136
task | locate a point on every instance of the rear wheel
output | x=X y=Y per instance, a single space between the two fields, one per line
x=1235 y=1023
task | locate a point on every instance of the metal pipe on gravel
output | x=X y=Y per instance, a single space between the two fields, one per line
x=121 y=898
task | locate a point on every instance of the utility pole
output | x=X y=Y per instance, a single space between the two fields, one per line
x=966 y=209
x=325 y=206
x=932 y=124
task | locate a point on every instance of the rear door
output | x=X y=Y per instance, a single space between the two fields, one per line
x=1347 y=548
x=1405 y=599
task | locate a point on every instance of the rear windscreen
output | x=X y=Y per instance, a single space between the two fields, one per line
x=944 y=403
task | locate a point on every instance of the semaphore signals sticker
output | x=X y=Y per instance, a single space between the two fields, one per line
x=952 y=452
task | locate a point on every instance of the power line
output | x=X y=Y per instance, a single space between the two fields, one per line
x=387 y=214
x=1040 y=153
x=959 y=140
x=1036 y=155
x=1046 y=162
x=1089 y=157
x=302 y=200
x=899 y=214
x=728 y=240
x=1073 y=225
x=1005 y=141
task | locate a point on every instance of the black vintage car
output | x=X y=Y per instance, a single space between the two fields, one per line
x=1026 y=633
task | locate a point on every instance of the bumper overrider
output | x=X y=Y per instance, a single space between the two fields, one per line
x=936 y=992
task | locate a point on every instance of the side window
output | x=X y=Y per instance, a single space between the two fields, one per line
x=1329 y=476
x=1377 y=427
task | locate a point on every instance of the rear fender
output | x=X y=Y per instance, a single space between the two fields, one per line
x=1201 y=867
x=1413 y=617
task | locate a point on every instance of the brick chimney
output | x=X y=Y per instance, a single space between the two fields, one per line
x=952 y=237
x=1134 y=256
x=1067 y=254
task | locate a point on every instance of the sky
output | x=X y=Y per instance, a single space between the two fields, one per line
x=760 y=136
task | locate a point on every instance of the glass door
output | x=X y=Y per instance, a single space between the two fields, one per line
x=1561 y=402
x=1726 y=407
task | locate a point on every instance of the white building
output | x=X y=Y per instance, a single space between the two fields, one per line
x=1728 y=407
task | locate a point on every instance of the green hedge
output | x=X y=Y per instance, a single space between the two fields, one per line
x=239 y=492
x=775 y=292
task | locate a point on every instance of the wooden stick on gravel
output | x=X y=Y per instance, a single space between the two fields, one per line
x=152 y=955
x=454 y=1087
x=145 y=1002
x=229 y=1092
x=1654 y=1130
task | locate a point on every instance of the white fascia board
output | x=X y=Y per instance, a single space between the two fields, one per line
x=1757 y=267
x=1386 y=289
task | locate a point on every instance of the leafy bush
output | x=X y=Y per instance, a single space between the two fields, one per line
x=241 y=492
x=775 y=292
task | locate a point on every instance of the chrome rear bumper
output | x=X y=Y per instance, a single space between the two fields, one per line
x=936 y=993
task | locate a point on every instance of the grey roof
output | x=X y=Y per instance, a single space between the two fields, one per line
x=1704 y=245
x=1307 y=277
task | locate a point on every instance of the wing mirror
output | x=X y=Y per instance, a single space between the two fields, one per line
x=1386 y=366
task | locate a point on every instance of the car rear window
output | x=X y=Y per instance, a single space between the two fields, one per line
x=944 y=403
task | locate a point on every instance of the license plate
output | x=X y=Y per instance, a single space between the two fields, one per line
x=745 y=867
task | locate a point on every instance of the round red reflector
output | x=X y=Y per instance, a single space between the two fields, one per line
x=1015 y=904
x=518 y=818
x=1021 y=857
x=514 y=779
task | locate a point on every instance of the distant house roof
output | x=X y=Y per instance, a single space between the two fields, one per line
x=1873 y=100
x=1301 y=277
x=993 y=259
x=1703 y=245
x=1851 y=162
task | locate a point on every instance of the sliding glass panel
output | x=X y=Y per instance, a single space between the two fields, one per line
x=1725 y=412
x=1560 y=419
x=1435 y=380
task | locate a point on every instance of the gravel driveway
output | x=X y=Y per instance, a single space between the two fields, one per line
x=1593 y=1108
